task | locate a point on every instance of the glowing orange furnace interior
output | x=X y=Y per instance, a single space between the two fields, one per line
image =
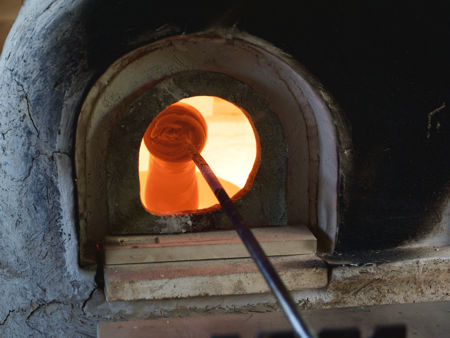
x=170 y=184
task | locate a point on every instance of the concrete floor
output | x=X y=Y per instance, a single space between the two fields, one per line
x=421 y=320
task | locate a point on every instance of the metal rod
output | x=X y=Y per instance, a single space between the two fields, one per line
x=272 y=278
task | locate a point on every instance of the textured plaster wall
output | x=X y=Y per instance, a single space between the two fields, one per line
x=39 y=276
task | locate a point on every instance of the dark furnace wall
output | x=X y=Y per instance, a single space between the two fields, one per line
x=386 y=63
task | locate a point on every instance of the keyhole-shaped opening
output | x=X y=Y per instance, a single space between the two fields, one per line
x=170 y=184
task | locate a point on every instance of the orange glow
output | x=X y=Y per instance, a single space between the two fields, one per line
x=231 y=150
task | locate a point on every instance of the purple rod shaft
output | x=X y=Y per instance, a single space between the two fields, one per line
x=298 y=323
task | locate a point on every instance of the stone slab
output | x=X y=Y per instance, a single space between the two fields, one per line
x=415 y=276
x=276 y=241
x=209 y=278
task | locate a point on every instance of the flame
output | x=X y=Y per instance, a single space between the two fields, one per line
x=231 y=150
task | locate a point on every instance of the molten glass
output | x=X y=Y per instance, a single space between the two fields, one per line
x=168 y=185
x=172 y=132
x=171 y=183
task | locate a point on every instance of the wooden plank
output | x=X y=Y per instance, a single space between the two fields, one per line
x=279 y=241
x=209 y=278
x=421 y=319
x=243 y=325
x=9 y=9
x=5 y=26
